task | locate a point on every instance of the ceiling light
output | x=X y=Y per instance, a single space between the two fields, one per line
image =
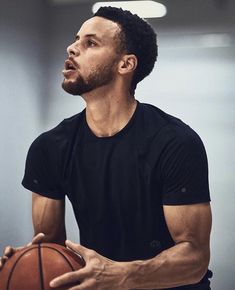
x=144 y=9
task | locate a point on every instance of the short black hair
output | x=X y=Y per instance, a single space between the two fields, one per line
x=137 y=37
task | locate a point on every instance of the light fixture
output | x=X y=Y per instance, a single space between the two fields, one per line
x=144 y=9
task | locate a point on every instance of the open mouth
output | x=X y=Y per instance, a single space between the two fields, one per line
x=69 y=65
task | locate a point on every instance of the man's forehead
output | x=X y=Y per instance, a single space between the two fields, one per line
x=100 y=26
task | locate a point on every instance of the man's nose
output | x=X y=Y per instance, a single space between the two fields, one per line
x=72 y=50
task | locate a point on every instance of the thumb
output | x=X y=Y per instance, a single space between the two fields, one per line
x=37 y=239
x=79 y=249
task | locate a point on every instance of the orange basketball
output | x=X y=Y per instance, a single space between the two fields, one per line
x=33 y=267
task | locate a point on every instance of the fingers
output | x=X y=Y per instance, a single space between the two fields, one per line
x=37 y=239
x=82 y=251
x=3 y=261
x=84 y=286
x=68 y=278
x=7 y=253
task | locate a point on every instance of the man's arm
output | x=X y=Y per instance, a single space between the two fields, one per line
x=187 y=261
x=183 y=264
x=49 y=218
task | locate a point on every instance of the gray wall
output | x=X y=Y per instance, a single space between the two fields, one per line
x=22 y=41
x=193 y=80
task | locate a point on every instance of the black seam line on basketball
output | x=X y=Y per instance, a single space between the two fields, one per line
x=71 y=266
x=13 y=268
x=40 y=267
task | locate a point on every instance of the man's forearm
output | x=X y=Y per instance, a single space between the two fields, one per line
x=182 y=264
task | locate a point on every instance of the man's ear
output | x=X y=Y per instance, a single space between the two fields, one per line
x=127 y=64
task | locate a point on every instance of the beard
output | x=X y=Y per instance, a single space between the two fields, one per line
x=98 y=77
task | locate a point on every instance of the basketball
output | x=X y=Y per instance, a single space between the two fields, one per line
x=33 y=267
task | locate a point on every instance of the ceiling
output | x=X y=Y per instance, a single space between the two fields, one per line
x=217 y=12
x=200 y=16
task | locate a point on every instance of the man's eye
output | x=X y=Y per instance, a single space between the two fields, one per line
x=91 y=43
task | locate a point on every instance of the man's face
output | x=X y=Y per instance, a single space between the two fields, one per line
x=93 y=57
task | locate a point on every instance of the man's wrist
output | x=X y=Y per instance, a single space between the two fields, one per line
x=132 y=272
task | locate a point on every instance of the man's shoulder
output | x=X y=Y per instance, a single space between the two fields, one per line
x=165 y=128
x=156 y=120
x=60 y=135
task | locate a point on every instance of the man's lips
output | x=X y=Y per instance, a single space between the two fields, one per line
x=69 y=67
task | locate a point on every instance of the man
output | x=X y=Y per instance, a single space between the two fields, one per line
x=137 y=177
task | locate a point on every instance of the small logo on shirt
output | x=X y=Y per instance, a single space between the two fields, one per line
x=35 y=181
x=155 y=244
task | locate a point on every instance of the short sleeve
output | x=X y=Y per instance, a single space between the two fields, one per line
x=184 y=169
x=42 y=169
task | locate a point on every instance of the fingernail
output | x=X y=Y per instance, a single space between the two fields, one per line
x=52 y=284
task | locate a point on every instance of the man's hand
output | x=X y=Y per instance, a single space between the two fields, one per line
x=9 y=251
x=99 y=273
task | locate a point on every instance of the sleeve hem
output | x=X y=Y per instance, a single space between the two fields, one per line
x=46 y=193
x=186 y=202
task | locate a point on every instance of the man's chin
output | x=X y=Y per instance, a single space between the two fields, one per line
x=70 y=87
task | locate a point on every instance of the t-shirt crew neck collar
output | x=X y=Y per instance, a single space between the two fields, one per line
x=119 y=133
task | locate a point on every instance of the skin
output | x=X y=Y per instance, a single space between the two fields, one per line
x=109 y=107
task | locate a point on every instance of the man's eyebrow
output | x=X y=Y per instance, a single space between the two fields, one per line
x=77 y=37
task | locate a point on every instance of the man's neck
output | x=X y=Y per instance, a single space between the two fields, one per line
x=107 y=114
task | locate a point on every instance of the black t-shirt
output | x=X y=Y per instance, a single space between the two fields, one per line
x=118 y=185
